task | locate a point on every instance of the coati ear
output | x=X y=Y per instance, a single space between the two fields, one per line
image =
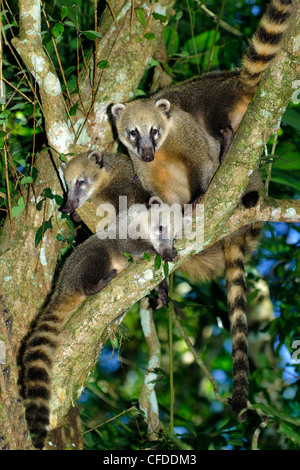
x=163 y=105
x=155 y=200
x=117 y=110
x=63 y=165
x=96 y=158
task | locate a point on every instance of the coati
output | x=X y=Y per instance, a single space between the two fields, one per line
x=177 y=140
x=170 y=152
x=103 y=178
x=88 y=270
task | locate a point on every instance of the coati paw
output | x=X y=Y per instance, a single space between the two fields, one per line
x=74 y=216
x=171 y=256
x=228 y=135
x=91 y=288
x=197 y=201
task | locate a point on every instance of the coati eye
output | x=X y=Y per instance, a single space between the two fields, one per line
x=79 y=183
x=153 y=132
x=134 y=132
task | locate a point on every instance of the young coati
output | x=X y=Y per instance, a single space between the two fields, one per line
x=88 y=270
x=176 y=163
x=102 y=178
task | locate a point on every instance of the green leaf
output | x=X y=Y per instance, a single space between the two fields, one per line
x=147 y=256
x=162 y=18
x=64 y=12
x=290 y=432
x=26 y=180
x=62 y=156
x=58 y=30
x=140 y=15
x=289 y=154
x=166 y=268
x=39 y=204
x=5 y=114
x=19 y=208
x=129 y=257
x=103 y=64
x=70 y=23
x=292 y=117
x=272 y=411
x=178 y=15
x=201 y=45
x=41 y=231
x=92 y=35
x=153 y=62
x=72 y=83
x=286 y=178
x=49 y=194
x=157 y=262
x=236 y=442
x=139 y=92
x=167 y=69
x=171 y=40
x=60 y=237
x=73 y=110
x=149 y=36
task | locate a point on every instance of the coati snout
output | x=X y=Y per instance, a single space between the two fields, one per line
x=147 y=155
x=70 y=205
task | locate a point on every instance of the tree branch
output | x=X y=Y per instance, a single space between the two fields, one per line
x=148 y=401
x=30 y=48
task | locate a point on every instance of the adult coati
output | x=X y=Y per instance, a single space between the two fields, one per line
x=87 y=271
x=178 y=138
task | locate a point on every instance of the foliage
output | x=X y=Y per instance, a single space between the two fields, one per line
x=194 y=44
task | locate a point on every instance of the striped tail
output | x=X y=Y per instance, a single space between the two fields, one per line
x=38 y=363
x=265 y=44
x=237 y=303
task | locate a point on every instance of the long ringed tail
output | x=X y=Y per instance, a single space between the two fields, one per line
x=38 y=363
x=265 y=44
x=237 y=304
x=235 y=253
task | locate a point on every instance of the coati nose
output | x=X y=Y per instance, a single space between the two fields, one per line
x=148 y=158
x=68 y=207
x=65 y=209
x=169 y=255
x=147 y=153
